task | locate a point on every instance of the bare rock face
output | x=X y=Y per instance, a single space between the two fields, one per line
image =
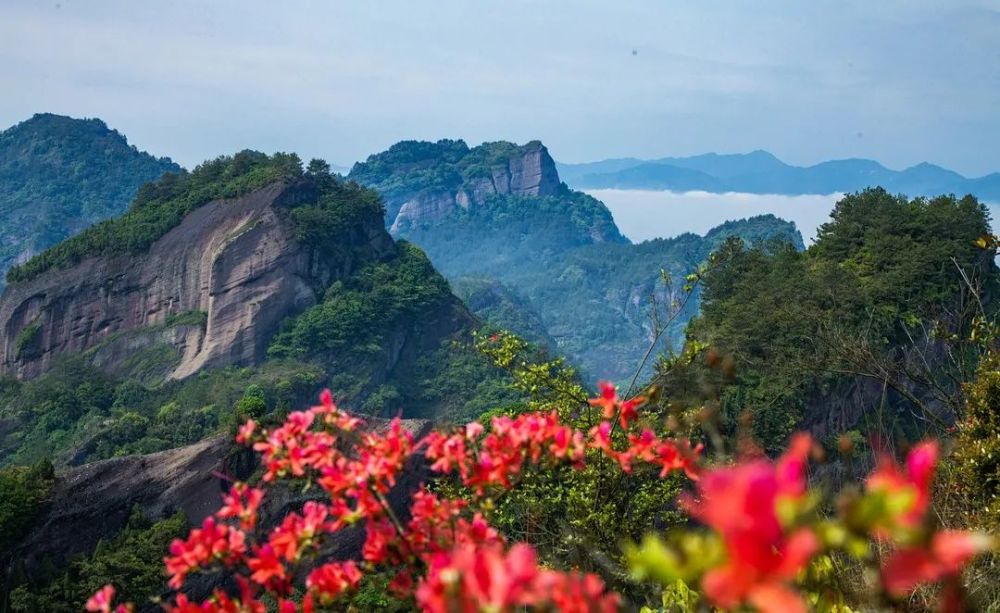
x=529 y=172
x=427 y=207
x=231 y=266
x=532 y=174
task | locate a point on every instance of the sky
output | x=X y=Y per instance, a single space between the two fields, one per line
x=899 y=81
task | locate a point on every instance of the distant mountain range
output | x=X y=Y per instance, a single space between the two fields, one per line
x=760 y=172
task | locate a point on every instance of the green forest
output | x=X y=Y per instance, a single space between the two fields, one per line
x=59 y=176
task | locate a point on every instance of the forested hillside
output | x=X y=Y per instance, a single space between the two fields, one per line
x=59 y=175
x=371 y=319
x=598 y=298
x=869 y=331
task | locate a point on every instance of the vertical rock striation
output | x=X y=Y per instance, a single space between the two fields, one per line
x=234 y=267
x=438 y=179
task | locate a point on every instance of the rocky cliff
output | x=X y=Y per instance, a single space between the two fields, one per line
x=424 y=182
x=213 y=288
x=528 y=171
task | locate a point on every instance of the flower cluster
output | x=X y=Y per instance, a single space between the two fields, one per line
x=762 y=533
x=765 y=533
x=356 y=469
x=102 y=600
x=486 y=578
x=499 y=456
x=902 y=500
x=741 y=503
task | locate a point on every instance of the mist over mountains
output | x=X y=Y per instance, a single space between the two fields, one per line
x=760 y=172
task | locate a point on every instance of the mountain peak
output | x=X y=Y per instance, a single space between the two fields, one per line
x=422 y=181
x=61 y=127
x=59 y=175
x=760 y=172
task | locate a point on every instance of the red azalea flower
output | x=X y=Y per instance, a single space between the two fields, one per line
x=608 y=400
x=101 y=600
x=740 y=503
x=915 y=482
x=948 y=552
x=267 y=570
x=473 y=579
x=330 y=580
x=211 y=543
x=242 y=502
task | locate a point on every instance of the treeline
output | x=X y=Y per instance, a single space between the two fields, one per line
x=870 y=330
x=160 y=205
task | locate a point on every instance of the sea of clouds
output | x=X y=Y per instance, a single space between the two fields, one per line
x=643 y=215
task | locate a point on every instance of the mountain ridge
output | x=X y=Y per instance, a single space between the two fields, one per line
x=59 y=175
x=761 y=172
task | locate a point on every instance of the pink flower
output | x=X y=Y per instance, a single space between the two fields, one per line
x=948 y=552
x=486 y=578
x=741 y=504
x=242 y=503
x=332 y=579
x=915 y=483
x=101 y=600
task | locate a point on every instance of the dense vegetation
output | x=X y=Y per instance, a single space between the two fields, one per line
x=425 y=166
x=599 y=302
x=160 y=205
x=77 y=413
x=494 y=302
x=387 y=305
x=509 y=229
x=865 y=314
x=133 y=560
x=59 y=175
x=23 y=493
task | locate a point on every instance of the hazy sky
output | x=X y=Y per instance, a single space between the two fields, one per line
x=901 y=81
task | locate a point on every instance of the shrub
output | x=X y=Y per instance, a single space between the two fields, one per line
x=761 y=536
x=23 y=492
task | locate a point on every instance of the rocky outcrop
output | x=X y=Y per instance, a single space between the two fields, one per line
x=222 y=280
x=526 y=171
x=93 y=502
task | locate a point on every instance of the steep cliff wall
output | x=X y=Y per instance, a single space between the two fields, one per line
x=424 y=182
x=227 y=275
x=525 y=171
